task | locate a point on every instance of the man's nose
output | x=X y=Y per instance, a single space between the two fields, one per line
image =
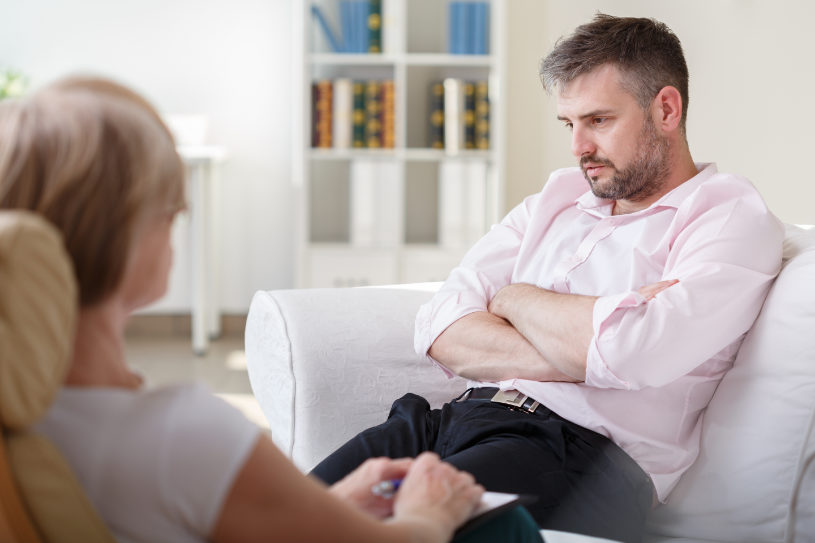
x=582 y=143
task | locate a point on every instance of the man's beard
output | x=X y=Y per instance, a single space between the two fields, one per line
x=642 y=178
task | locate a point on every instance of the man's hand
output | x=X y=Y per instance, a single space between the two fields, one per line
x=559 y=326
x=649 y=291
x=485 y=347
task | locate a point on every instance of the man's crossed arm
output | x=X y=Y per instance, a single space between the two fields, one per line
x=526 y=333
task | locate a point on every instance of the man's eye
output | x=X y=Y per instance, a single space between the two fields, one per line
x=599 y=120
x=568 y=125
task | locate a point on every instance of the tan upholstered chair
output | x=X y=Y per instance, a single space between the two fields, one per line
x=40 y=498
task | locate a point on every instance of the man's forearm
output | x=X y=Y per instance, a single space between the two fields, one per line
x=485 y=347
x=558 y=326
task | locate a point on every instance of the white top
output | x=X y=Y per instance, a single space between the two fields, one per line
x=652 y=366
x=156 y=464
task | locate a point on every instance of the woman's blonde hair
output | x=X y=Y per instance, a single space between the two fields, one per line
x=95 y=159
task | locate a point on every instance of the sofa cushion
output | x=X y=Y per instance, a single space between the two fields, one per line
x=754 y=480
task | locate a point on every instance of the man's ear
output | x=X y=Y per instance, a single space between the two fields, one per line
x=667 y=109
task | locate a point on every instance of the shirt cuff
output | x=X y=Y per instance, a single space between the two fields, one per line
x=598 y=374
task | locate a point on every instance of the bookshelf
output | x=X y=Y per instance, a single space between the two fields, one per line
x=391 y=214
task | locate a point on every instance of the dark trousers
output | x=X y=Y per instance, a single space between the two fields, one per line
x=584 y=482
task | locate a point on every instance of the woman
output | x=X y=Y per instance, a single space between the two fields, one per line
x=175 y=463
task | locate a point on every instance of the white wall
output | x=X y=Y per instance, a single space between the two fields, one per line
x=751 y=90
x=229 y=60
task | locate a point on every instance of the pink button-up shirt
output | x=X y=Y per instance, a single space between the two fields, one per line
x=653 y=366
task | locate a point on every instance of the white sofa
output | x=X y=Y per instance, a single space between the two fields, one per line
x=327 y=363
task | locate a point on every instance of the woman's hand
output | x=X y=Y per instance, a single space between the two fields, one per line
x=356 y=487
x=436 y=497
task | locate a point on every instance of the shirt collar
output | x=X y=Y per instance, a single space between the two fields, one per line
x=601 y=207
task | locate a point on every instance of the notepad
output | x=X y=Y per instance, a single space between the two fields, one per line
x=493 y=504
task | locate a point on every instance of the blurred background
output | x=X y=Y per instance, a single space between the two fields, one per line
x=752 y=81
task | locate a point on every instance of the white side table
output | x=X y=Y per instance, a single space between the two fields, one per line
x=201 y=162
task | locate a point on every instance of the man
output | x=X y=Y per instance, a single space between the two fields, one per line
x=605 y=317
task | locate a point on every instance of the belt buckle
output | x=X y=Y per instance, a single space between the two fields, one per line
x=516 y=400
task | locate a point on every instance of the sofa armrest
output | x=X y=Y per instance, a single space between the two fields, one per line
x=325 y=364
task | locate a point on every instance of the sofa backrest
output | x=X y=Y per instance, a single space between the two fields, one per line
x=754 y=480
x=40 y=498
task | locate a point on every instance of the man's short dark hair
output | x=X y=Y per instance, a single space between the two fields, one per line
x=647 y=52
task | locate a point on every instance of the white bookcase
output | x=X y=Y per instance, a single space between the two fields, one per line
x=414 y=37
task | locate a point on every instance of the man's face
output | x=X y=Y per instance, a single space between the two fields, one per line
x=622 y=155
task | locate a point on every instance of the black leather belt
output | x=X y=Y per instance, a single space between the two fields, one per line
x=512 y=398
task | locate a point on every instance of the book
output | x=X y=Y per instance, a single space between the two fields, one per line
x=493 y=504
x=468 y=28
x=354 y=22
x=393 y=39
x=457 y=28
x=333 y=41
x=388 y=114
x=322 y=116
x=436 y=132
x=469 y=115
x=376 y=203
x=373 y=114
x=475 y=220
x=314 y=114
x=462 y=197
x=453 y=115
x=342 y=113
x=480 y=30
x=363 y=202
x=375 y=26
x=452 y=210
x=358 y=117
x=482 y=115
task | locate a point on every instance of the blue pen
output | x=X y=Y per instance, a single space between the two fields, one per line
x=386 y=489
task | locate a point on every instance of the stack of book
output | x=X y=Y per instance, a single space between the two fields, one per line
x=468 y=28
x=459 y=115
x=348 y=113
x=360 y=23
x=376 y=204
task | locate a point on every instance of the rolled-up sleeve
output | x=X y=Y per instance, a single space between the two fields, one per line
x=725 y=259
x=486 y=267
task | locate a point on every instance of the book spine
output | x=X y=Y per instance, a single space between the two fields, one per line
x=375 y=26
x=482 y=115
x=347 y=25
x=437 y=115
x=313 y=114
x=453 y=115
x=358 y=118
x=361 y=25
x=467 y=28
x=388 y=114
x=324 y=105
x=373 y=114
x=469 y=115
x=393 y=12
x=457 y=28
x=481 y=27
x=342 y=113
